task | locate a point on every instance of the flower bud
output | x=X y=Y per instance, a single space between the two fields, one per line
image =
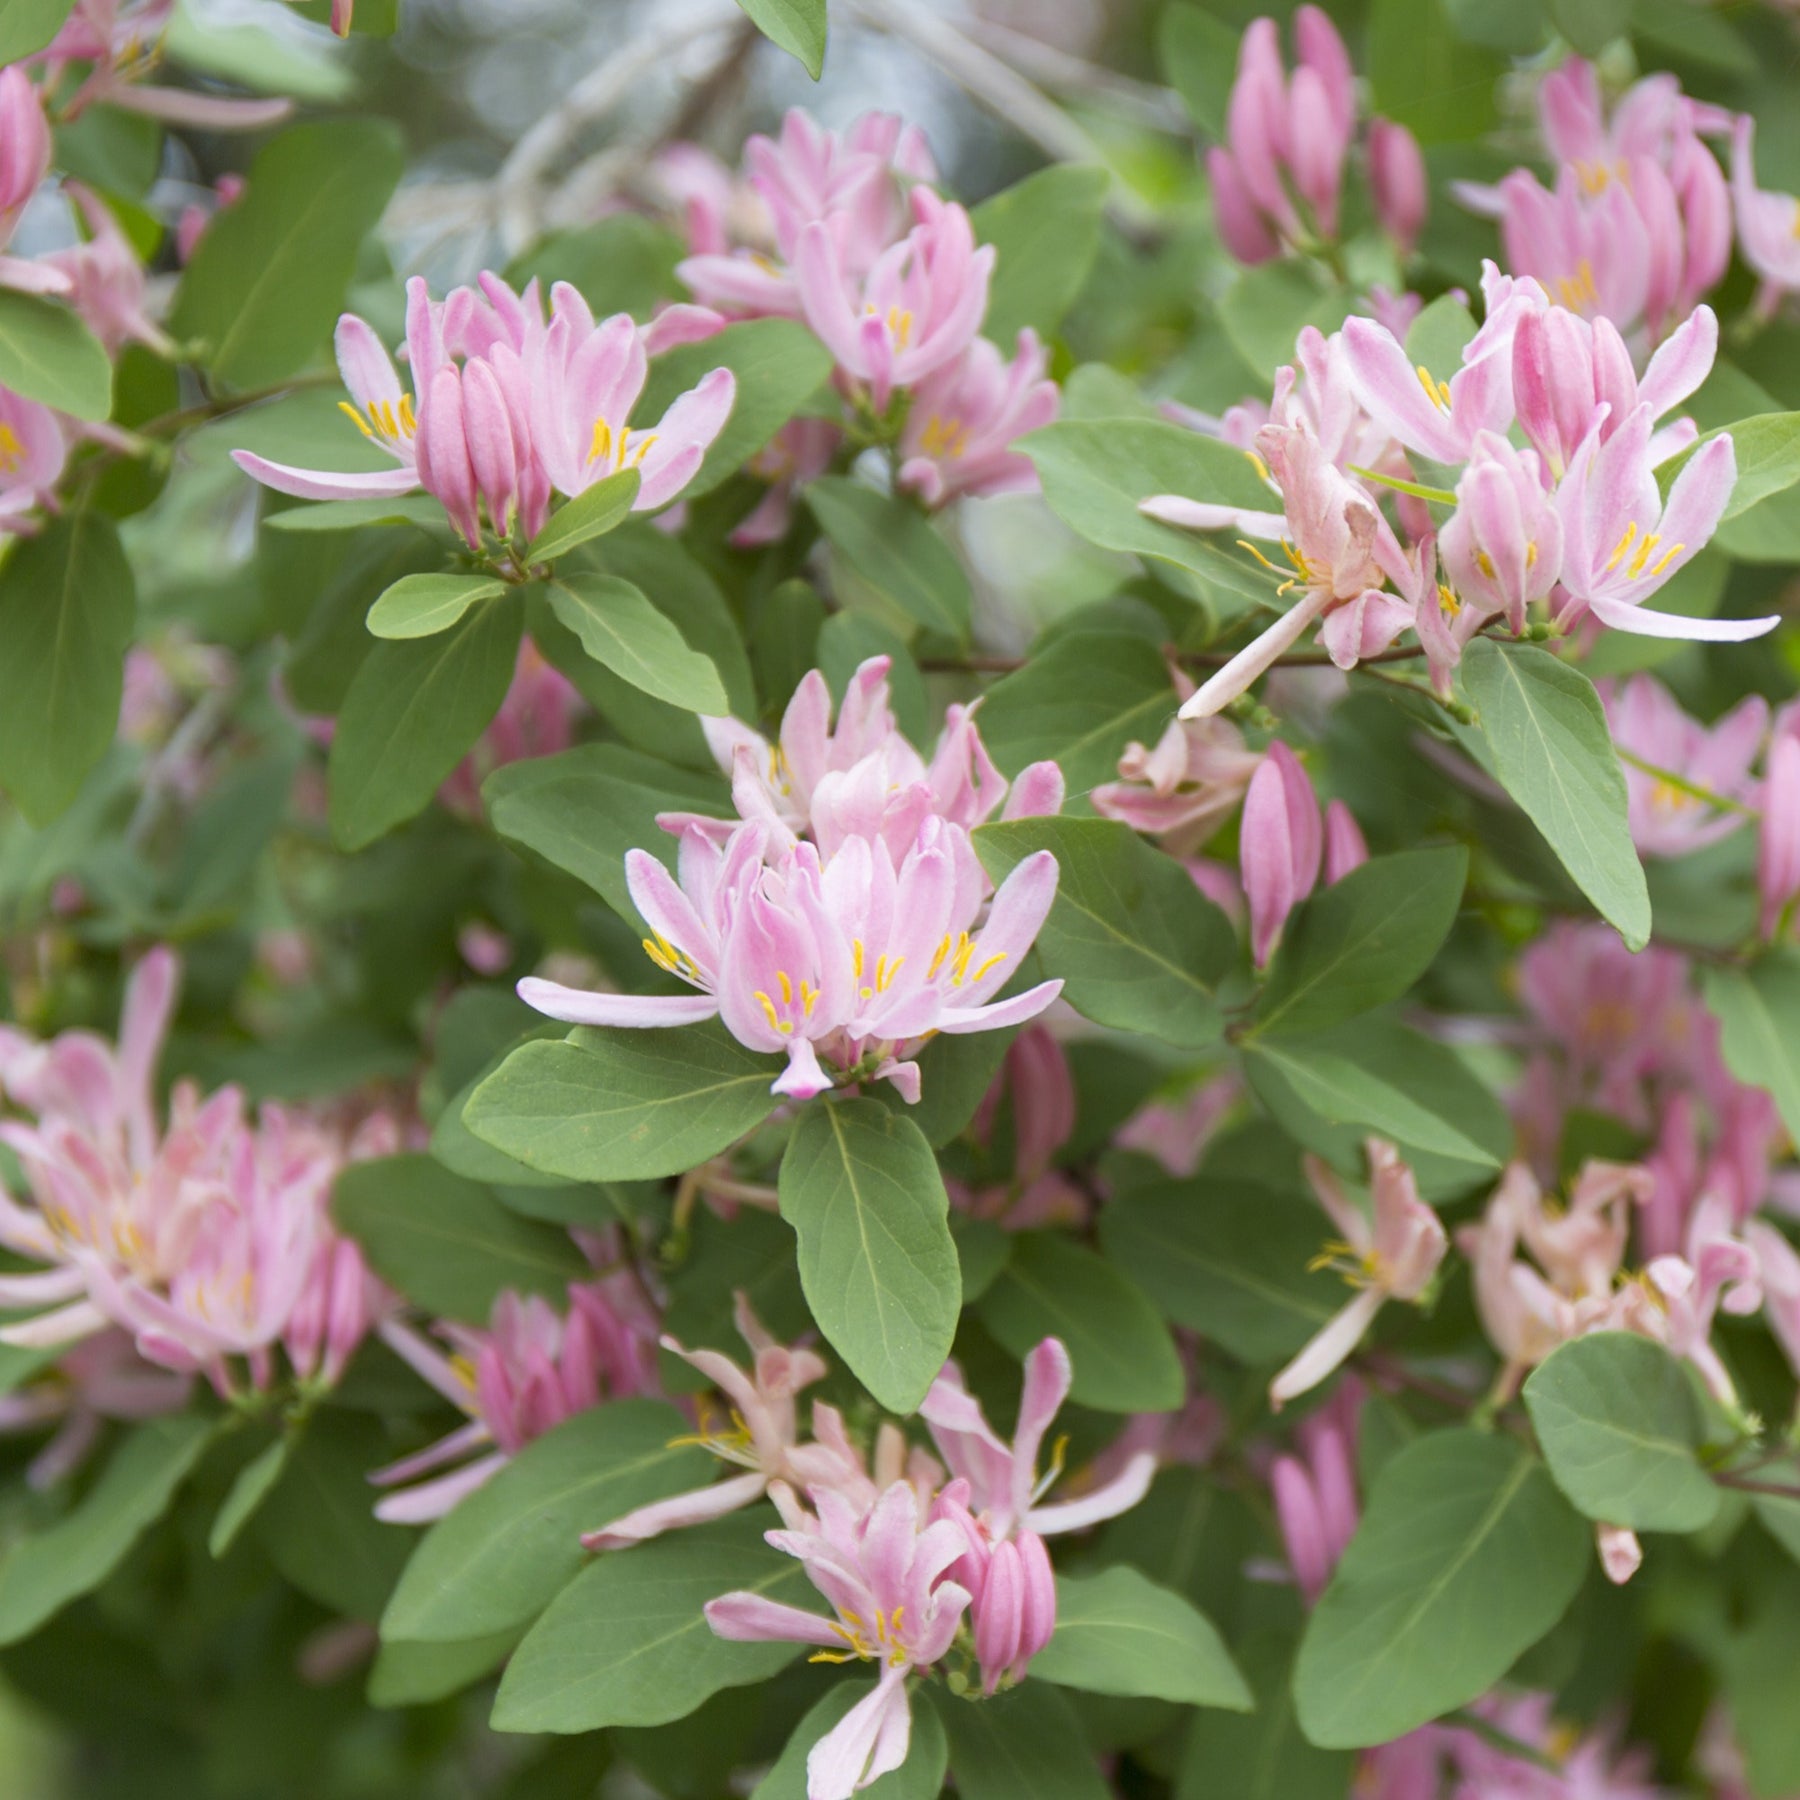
x=1280 y=844
x=24 y=145
x=1344 y=846
x=1778 y=853
x=1397 y=182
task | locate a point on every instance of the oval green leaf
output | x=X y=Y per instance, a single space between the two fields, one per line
x=419 y=606
x=619 y=628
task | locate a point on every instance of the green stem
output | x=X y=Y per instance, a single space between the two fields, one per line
x=1419 y=491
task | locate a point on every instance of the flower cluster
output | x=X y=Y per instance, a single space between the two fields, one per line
x=202 y=1236
x=509 y=407
x=843 y=917
x=1278 y=178
x=847 y=234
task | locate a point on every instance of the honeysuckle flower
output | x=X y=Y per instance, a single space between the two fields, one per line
x=799 y=452
x=1778 y=1273
x=528 y=1371
x=585 y=383
x=530 y=408
x=1390 y=1253
x=1345 y=847
x=1778 y=836
x=1343 y=552
x=1502 y=547
x=100 y=1379
x=1397 y=182
x=963 y=420
x=34 y=449
x=1286 y=136
x=1176 y=1131
x=843 y=965
x=764 y=1439
x=538 y=717
x=1768 y=223
x=1187 y=786
x=1622 y=541
x=1034 y=1077
x=24 y=162
x=1573 y=377
x=884 y=1571
x=1621 y=1555
x=1666 y=820
x=1315 y=1493
x=105 y=280
x=918 y=307
x=1280 y=846
x=860 y=776
x=1429 y=414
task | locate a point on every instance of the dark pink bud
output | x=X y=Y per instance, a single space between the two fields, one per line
x=1242 y=229
x=1344 y=846
x=1280 y=845
x=1397 y=182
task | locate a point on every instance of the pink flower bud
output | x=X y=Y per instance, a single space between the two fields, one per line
x=1280 y=845
x=24 y=145
x=1620 y=1552
x=1778 y=856
x=1316 y=148
x=1344 y=846
x=1240 y=226
x=1502 y=548
x=1397 y=182
x=1016 y=1612
x=1323 y=55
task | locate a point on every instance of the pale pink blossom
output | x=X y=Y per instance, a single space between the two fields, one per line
x=1315 y=1494
x=25 y=152
x=1502 y=547
x=964 y=419
x=34 y=450
x=1647 y=720
x=1778 y=841
x=1391 y=1252
x=801 y=451
x=1768 y=223
x=106 y=281
x=1280 y=845
x=529 y=1370
x=1176 y=1131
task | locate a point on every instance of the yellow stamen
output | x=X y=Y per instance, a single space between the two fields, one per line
x=1624 y=547
x=601 y=451
x=1447 y=599
x=776 y=1022
x=1437 y=392
x=937 y=962
x=993 y=961
x=355 y=418
x=787 y=987
x=1257 y=463
x=809 y=998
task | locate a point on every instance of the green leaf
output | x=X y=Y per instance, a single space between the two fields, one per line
x=68 y=604
x=43 y=1571
x=1590 y=25
x=892 y=546
x=1363 y=941
x=1046 y=230
x=1227 y=1258
x=413 y=712
x=447 y=1244
x=1261 y=1755
x=585 y=808
x=1078 y=703
x=1345 y=1093
x=1425 y=77
x=1265 y=309
x=270 y=276
x=1121 y=1353
x=1119 y=1633
x=602 y=508
x=1096 y=471
x=861 y=1188
x=26 y=26
x=920 y=1777
x=1024 y=1742
x=622 y=263
x=798 y=26
x=1430 y=1606
x=514 y=1544
x=627 y=1642
x=1767 y=448
x=1554 y=754
x=1199 y=56
x=410 y=1674
x=624 y=1105
x=1139 y=946
x=618 y=626
x=1758 y=1010
x=419 y=606
x=318 y=1525
x=1619 y=1426
x=47 y=354
x=779 y=366
x=247 y=1494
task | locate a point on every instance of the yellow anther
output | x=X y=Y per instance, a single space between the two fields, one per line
x=776 y=1021
x=809 y=998
x=856 y=957
x=1644 y=552
x=1437 y=392
x=1623 y=548
x=937 y=961
x=787 y=987
x=944 y=437
x=1257 y=463
x=993 y=961
x=1447 y=599
x=463 y=1370
x=601 y=450
x=355 y=418
x=1485 y=564
x=1531 y=554
x=408 y=420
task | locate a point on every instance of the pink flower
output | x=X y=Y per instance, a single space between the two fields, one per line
x=1315 y=1492
x=33 y=454
x=527 y=1372
x=25 y=152
x=884 y=1571
x=799 y=452
x=1345 y=847
x=1502 y=547
x=1280 y=844
x=1035 y=1078
x=1778 y=1270
x=917 y=309
x=1647 y=721
x=1778 y=847
x=1622 y=541
x=1177 y=1131
x=1285 y=137
x=538 y=717
x=1397 y=182
x=106 y=282
x=1768 y=223
x=764 y=1440
x=963 y=420
x=844 y=966
x=1185 y=788
x=527 y=409
x=1392 y=1253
